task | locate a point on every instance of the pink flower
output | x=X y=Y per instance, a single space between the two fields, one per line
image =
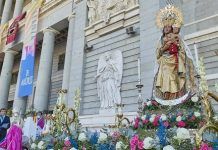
x=136 y=125
x=134 y=140
x=133 y=147
x=205 y=146
x=156 y=120
x=84 y=148
x=181 y=124
x=67 y=143
x=140 y=145
x=64 y=148
x=179 y=114
x=202 y=123
x=166 y=123
x=193 y=118
x=116 y=134
x=145 y=121
x=154 y=103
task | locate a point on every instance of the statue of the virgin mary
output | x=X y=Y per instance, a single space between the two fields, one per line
x=174 y=78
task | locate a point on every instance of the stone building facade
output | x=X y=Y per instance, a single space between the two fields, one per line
x=70 y=44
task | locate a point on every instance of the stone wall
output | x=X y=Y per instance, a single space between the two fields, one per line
x=201 y=21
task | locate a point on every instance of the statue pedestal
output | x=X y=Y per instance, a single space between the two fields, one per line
x=109 y=111
x=100 y=121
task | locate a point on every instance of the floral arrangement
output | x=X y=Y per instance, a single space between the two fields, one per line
x=179 y=119
x=151 y=105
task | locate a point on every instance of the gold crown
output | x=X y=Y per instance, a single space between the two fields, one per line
x=169 y=16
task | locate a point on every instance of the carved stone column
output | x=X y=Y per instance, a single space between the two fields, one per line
x=6 y=11
x=19 y=102
x=18 y=7
x=1 y=3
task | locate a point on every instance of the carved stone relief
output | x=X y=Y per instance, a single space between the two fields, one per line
x=103 y=9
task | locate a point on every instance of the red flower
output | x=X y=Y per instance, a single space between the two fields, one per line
x=156 y=120
x=181 y=124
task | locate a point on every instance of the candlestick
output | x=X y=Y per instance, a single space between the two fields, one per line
x=139 y=71
x=196 y=55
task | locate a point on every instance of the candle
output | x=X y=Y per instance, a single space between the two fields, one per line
x=196 y=55
x=139 y=71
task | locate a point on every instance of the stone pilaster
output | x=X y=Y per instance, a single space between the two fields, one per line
x=77 y=63
x=5 y=78
x=68 y=54
x=149 y=36
x=45 y=70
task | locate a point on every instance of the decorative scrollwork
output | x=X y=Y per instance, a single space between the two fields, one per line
x=211 y=124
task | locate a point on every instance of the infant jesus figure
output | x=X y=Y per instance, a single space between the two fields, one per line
x=172 y=39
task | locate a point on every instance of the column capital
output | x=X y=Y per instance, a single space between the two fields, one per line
x=71 y=16
x=11 y=51
x=49 y=29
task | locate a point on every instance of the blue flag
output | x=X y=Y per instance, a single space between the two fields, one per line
x=27 y=69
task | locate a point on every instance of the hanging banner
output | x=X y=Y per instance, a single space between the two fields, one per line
x=27 y=69
x=28 y=52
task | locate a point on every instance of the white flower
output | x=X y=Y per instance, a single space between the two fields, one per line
x=182 y=134
x=149 y=103
x=152 y=118
x=148 y=143
x=120 y=145
x=194 y=99
x=41 y=145
x=102 y=137
x=215 y=118
x=216 y=87
x=73 y=148
x=144 y=117
x=168 y=147
x=82 y=137
x=197 y=114
x=66 y=139
x=163 y=117
x=33 y=146
x=179 y=118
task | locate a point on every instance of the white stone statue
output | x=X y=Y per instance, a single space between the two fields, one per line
x=109 y=76
x=92 y=15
